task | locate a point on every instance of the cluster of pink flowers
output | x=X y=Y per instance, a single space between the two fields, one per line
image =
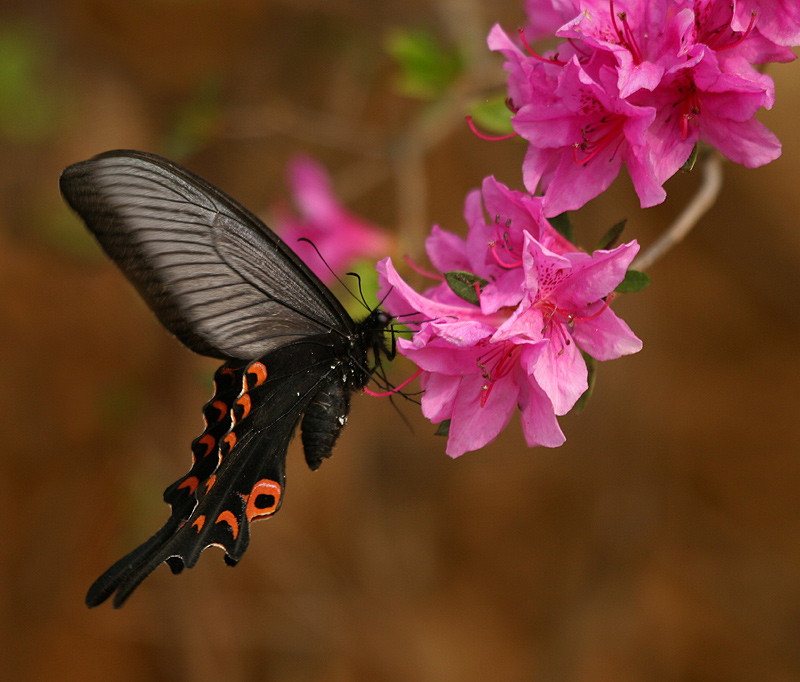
x=517 y=307
x=505 y=327
x=641 y=82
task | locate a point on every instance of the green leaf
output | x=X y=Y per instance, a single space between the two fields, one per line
x=563 y=225
x=591 y=367
x=610 y=238
x=634 y=281
x=492 y=115
x=427 y=68
x=444 y=428
x=688 y=165
x=463 y=285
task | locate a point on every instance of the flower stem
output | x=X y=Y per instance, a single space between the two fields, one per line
x=695 y=209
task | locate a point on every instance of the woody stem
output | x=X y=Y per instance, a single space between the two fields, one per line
x=695 y=209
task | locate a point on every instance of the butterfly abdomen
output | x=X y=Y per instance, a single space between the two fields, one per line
x=323 y=419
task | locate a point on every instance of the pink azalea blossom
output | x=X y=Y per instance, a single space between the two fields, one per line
x=639 y=84
x=579 y=141
x=579 y=129
x=511 y=215
x=703 y=101
x=518 y=347
x=566 y=297
x=340 y=236
x=468 y=378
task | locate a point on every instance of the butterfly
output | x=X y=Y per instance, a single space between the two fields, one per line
x=227 y=287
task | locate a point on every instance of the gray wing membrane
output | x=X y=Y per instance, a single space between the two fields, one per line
x=215 y=275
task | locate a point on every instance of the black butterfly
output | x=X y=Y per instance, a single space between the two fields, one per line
x=227 y=287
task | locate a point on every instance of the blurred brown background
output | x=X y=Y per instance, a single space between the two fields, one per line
x=662 y=542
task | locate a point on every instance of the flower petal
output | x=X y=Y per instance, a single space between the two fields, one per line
x=473 y=425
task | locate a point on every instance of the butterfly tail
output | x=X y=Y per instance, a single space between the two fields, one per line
x=131 y=569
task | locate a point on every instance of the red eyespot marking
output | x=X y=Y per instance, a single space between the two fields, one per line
x=230 y=440
x=221 y=407
x=259 y=371
x=263 y=499
x=211 y=480
x=209 y=441
x=230 y=519
x=199 y=522
x=245 y=403
x=190 y=483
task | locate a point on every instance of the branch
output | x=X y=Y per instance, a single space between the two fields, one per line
x=697 y=207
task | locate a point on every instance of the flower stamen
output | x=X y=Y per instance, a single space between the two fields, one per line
x=396 y=389
x=501 y=263
x=484 y=136
x=569 y=313
x=599 y=136
x=551 y=60
x=743 y=36
x=504 y=357
x=690 y=107
x=625 y=35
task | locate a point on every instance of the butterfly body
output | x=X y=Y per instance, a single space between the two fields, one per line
x=226 y=286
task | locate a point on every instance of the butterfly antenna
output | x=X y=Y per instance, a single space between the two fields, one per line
x=361 y=291
x=338 y=279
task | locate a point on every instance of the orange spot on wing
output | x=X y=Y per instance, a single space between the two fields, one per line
x=259 y=371
x=222 y=407
x=199 y=522
x=245 y=404
x=210 y=482
x=230 y=519
x=190 y=482
x=263 y=500
x=209 y=441
x=230 y=440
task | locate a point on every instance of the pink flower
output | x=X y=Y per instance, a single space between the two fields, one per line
x=580 y=139
x=566 y=297
x=712 y=101
x=468 y=378
x=638 y=84
x=512 y=215
x=340 y=237
x=515 y=342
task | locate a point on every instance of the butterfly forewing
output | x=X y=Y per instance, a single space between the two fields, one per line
x=216 y=276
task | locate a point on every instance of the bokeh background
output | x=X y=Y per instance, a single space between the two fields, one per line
x=661 y=542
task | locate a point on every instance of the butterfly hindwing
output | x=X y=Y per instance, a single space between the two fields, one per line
x=248 y=480
x=217 y=415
